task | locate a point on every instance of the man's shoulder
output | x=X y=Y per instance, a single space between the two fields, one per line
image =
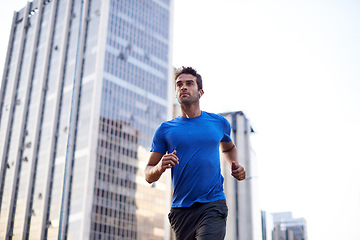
x=215 y=116
x=169 y=123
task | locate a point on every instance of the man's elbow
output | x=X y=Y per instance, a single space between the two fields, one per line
x=229 y=149
x=148 y=175
x=148 y=180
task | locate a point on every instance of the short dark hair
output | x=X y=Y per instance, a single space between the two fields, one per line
x=192 y=71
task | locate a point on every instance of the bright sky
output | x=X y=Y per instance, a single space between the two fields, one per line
x=293 y=67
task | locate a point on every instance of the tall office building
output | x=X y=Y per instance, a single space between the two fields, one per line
x=244 y=218
x=85 y=85
x=266 y=225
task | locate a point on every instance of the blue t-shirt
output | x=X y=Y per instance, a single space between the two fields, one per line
x=197 y=177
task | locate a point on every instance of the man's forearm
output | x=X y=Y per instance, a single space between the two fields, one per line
x=231 y=155
x=152 y=173
x=237 y=171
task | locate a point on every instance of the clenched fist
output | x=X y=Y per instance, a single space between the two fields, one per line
x=168 y=161
x=237 y=171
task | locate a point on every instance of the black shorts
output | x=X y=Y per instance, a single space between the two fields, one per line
x=201 y=221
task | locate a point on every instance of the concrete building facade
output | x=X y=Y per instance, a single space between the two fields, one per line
x=244 y=219
x=266 y=225
x=85 y=84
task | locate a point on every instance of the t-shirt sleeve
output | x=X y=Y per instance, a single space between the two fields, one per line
x=227 y=131
x=159 y=143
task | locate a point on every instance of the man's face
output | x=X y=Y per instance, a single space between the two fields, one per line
x=187 y=89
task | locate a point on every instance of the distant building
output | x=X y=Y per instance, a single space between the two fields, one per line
x=244 y=219
x=266 y=225
x=288 y=228
x=72 y=153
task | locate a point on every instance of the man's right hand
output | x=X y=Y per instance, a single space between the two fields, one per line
x=158 y=163
x=168 y=161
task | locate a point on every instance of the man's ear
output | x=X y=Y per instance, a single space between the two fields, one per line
x=201 y=92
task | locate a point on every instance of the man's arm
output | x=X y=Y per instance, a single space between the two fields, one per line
x=230 y=155
x=157 y=165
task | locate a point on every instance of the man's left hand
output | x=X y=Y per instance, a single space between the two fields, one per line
x=237 y=171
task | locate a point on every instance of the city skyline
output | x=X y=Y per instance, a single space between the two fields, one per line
x=294 y=65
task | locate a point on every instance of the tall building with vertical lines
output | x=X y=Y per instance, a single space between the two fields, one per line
x=85 y=85
x=244 y=218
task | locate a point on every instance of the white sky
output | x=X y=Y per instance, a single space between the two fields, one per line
x=293 y=67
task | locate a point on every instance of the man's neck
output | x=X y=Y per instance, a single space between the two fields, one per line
x=190 y=111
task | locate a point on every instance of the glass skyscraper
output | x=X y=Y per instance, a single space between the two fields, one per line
x=85 y=85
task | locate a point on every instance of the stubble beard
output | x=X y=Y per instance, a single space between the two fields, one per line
x=188 y=101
